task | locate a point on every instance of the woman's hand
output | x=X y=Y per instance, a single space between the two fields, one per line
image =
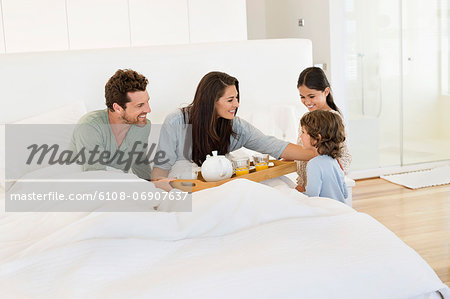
x=297 y=152
x=164 y=184
x=158 y=174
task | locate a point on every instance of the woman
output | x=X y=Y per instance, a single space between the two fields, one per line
x=212 y=118
x=315 y=94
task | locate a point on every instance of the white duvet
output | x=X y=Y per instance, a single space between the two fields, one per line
x=242 y=240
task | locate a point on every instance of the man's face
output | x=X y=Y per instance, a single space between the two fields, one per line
x=135 y=112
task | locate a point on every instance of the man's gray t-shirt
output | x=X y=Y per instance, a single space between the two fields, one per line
x=173 y=136
x=93 y=132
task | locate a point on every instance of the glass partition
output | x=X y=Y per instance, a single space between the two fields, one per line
x=398 y=78
x=426 y=109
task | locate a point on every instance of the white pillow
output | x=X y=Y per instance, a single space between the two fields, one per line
x=280 y=121
x=48 y=172
x=69 y=114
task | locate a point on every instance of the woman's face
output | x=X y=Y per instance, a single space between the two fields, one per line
x=314 y=99
x=227 y=104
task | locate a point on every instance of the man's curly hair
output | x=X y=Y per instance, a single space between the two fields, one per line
x=326 y=130
x=120 y=83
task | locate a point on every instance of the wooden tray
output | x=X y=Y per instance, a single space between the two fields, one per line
x=278 y=169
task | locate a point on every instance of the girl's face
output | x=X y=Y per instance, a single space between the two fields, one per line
x=314 y=99
x=306 y=139
x=227 y=104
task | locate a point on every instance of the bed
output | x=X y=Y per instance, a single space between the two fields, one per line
x=241 y=239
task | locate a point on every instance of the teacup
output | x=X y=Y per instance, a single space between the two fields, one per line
x=241 y=166
x=261 y=161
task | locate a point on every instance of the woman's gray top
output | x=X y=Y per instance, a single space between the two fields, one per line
x=172 y=139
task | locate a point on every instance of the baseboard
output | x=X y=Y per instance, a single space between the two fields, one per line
x=377 y=172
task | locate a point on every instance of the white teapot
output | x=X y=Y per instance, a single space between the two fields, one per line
x=216 y=168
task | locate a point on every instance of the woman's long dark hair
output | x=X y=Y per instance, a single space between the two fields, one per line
x=315 y=78
x=209 y=132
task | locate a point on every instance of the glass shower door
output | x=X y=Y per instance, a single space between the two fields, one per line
x=426 y=104
x=373 y=76
x=398 y=78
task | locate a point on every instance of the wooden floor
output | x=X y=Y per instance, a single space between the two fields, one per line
x=421 y=218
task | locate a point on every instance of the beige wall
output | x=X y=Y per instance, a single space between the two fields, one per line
x=324 y=26
x=256 y=19
x=282 y=22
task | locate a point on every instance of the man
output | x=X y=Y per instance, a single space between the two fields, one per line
x=117 y=137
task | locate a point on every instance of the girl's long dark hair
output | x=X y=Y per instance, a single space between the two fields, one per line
x=209 y=132
x=315 y=78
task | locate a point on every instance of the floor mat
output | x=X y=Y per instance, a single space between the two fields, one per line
x=420 y=179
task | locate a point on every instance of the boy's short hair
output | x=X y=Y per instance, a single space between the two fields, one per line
x=326 y=130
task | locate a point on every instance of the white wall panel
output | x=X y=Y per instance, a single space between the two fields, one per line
x=2 y=37
x=219 y=20
x=156 y=22
x=98 y=24
x=34 y=25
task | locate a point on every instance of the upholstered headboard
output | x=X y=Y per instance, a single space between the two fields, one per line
x=33 y=83
x=58 y=87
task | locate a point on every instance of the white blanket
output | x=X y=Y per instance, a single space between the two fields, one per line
x=243 y=239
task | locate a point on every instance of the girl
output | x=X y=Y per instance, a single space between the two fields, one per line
x=323 y=131
x=315 y=94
